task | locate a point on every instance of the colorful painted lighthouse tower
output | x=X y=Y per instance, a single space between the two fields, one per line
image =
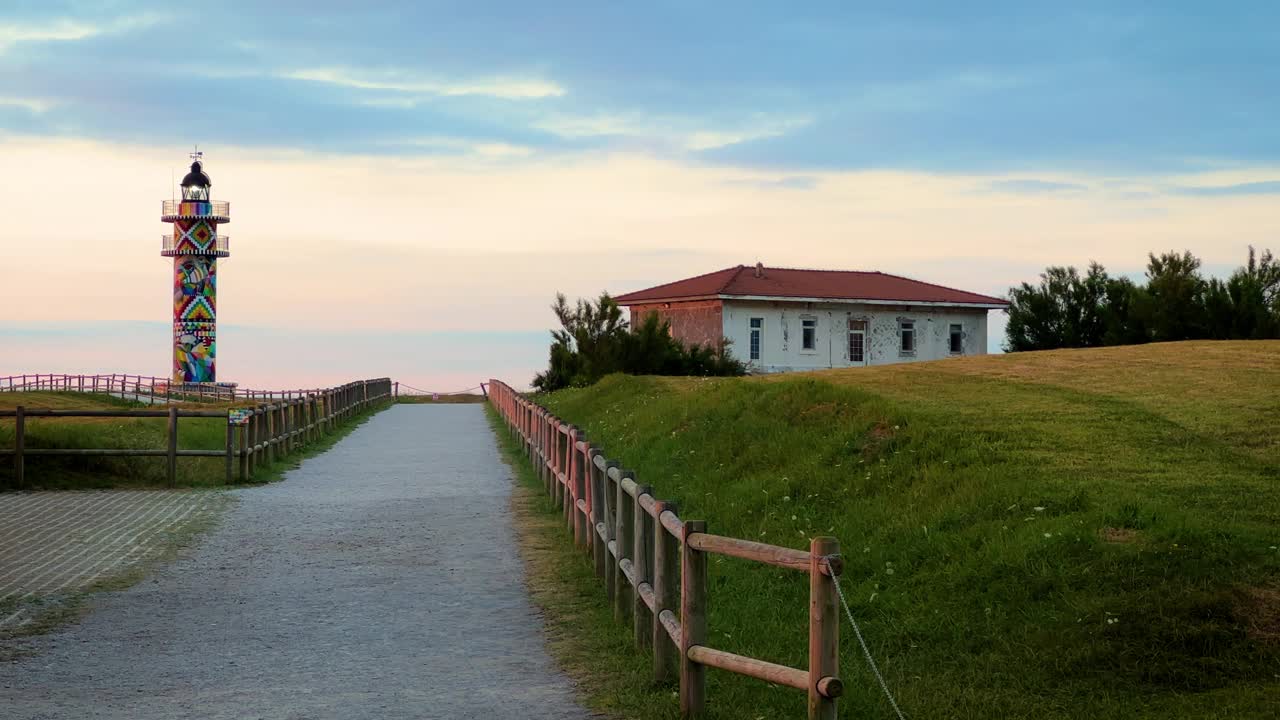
x=195 y=247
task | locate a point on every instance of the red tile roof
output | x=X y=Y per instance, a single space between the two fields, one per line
x=741 y=281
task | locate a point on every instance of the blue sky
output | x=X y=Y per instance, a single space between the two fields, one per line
x=615 y=146
x=931 y=86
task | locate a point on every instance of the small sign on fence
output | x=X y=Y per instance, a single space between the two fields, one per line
x=239 y=416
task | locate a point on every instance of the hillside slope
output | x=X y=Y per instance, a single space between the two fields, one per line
x=1062 y=534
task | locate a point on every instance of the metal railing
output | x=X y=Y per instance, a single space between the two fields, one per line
x=216 y=209
x=221 y=247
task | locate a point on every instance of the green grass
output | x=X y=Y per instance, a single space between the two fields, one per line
x=1051 y=535
x=57 y=473
x=581 y=633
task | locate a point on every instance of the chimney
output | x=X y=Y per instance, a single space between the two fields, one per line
x=759 y=269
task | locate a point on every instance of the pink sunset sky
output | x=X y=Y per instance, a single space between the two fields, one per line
x=440 y=272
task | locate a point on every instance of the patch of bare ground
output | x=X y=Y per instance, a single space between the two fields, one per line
x=540 y=554
x=1259 y=609
x=1118 y=535
x=612 y=677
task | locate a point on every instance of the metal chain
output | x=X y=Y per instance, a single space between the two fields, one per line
x=835 y=577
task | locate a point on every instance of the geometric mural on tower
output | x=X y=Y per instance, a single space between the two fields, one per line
x=195 y=279
x=194 y=350
x=195 y=254
x=195 y=287
x=192 y=236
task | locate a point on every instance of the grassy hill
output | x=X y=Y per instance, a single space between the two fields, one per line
x=1063 y=534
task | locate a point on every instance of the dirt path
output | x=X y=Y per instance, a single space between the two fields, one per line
x=376 y=581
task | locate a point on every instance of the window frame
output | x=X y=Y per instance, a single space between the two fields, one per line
x=903 y=331
x=755 y=338
x=860 y=326
x=955 y=335
x=808 y=323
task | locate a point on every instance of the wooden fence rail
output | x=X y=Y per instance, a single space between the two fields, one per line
x=153 y=388
x=654 y=564
x=255 y=434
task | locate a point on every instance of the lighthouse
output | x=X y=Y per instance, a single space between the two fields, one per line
x=195 y=247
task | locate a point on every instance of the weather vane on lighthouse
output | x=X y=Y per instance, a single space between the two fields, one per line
x=195 y=247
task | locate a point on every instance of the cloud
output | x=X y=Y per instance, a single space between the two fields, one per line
x=70 y=30
x=462 y=146
x=399 y=81
x=786 y=182
x=34 y=105
x=712 y=139
x=1264 y=187
x=683 y=133
x=1029 y=186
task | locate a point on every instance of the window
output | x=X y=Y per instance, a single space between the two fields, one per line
x=809 y=334
x=957 y=339
x=907 y=334
x=857 y=341
x=757 y=329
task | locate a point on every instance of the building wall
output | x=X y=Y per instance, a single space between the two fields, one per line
x=781 y=347
x=698 y=322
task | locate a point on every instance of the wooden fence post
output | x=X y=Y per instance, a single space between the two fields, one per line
x=624 y=593
x=599 y=541
x=173 y=446
x=231 y=451
x=610 y=530
x=641 y=548
x=570 y=487
x=270 y=442
x=824 y=627
x=244 y=452
x=666 y=595
x=19 y=445
x=693 y=621
x=313 y=425
x=250 y=439
x=575 y=470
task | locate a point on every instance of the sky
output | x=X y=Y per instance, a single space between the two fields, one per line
x=412 y=182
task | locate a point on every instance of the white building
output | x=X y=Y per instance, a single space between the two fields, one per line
x=781 y=319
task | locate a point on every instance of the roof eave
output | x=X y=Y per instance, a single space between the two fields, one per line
x=993 y=305
x=625 y=302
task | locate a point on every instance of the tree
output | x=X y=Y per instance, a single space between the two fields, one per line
x=1247 y=305
x=1065 y=310
x=1177 y=309
x=1175 y=303
x=594 y=340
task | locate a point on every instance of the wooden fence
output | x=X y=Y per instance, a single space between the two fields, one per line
x=255 y=434
x=654 y=564
x=153 y=388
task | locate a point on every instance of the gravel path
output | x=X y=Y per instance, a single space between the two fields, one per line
x=378 y=580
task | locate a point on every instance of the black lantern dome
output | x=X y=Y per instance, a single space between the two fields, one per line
x=195 y=186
